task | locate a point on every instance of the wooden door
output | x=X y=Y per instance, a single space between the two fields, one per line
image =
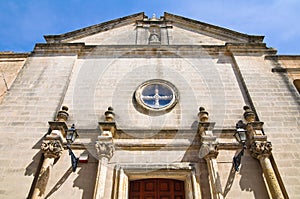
x=156 y=189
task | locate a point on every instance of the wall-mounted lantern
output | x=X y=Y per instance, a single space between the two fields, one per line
x=71 y=134
x=241 y=137
x=70 y=137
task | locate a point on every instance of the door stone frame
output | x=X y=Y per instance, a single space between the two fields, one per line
x=124 y=173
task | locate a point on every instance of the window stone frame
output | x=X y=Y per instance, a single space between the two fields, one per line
x=141 y=87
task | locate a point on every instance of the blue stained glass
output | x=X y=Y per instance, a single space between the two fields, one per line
x=157 y=96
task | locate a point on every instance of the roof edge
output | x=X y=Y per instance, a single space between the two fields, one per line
x=216 y=29
x=93 y=28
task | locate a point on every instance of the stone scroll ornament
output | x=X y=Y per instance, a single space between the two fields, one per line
x=52 y=148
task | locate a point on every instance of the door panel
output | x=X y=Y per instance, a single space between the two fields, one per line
x=156 y=189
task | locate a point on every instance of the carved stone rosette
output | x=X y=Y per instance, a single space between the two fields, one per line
x=105 y=149
x=261 y=148
x=52 y=148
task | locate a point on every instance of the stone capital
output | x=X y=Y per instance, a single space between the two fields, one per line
x=209 y=147
x=105 y=147
x=261 y=148
x=52 y=147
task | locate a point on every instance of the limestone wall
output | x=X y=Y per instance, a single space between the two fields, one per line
x=32 y=101
x=277 y=103
x=10 y=65
x=88 y=84
x=112 y=79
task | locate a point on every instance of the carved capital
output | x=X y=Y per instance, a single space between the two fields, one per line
x=209 y=147
x=105 y=149
x=52 y=148
x=261 y=148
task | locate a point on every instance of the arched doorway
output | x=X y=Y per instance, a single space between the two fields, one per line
x=156 y=188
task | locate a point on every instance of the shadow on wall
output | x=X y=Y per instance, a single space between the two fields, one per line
x=35 y=166
x=85 y=180
x=60 y=182
x=252 y=177
x=229 y=181
x=192 y=155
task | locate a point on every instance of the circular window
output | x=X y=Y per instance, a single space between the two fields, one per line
x=156 y=95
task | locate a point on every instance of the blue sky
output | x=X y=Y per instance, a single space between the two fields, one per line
x=24 y=22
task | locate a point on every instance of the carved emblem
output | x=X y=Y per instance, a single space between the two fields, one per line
x=52 y=148
x=105 y=149
x=259 y=148
x=154 y=37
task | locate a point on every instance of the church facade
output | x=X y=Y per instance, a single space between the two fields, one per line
x=147 y=107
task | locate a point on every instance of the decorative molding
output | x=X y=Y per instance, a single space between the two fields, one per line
x=10 y=54
x=58 y=48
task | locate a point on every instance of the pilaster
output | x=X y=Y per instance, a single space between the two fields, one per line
x=52 y=148
x=105 y=150
x=261 y=149
x=209 y=151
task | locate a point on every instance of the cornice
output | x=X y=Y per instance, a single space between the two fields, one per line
x=282 y=57
x=146 y=51
x=250 y=48
x=58 y=48
x=136 y=51
x=13 y=55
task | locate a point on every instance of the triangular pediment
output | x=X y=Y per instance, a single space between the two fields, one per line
x=138 y=29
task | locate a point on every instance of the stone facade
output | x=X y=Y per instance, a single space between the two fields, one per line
x=101 y=66
x=10 y=65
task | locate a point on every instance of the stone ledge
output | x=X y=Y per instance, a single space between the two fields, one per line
x=10 y=54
